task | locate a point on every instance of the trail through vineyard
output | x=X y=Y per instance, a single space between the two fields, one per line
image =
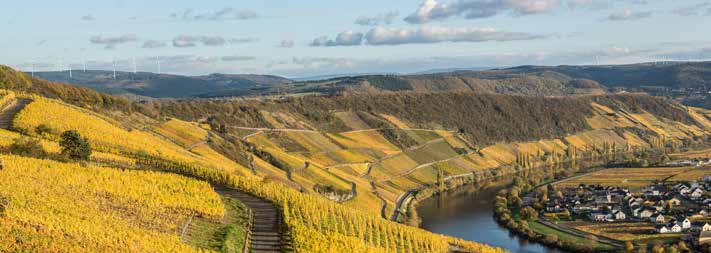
x=266 y=235
x=7 y=114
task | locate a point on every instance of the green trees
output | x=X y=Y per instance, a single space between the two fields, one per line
x=74 y=146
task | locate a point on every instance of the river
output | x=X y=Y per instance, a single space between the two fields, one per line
x=467 y=213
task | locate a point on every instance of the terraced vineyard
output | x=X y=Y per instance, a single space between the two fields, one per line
x=316 y=176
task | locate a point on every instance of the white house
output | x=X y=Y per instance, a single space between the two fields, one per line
x=675 y=228
x=685 y=224
x=619 y=215
x=696 y=193
x=657 y=218
x=598 y=217
x=644 y=213
x=662 y=229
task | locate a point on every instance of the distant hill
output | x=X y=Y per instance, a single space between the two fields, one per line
x=686 y=82
x=162 y=85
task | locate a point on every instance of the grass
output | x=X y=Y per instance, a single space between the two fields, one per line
x=623 y=231
x=545 y=230
x=225 y=236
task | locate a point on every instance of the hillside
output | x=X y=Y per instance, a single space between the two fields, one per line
x=142 y=205
x=162 y=85
x=337 y=168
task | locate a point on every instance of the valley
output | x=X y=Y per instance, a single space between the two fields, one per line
x=361 y=159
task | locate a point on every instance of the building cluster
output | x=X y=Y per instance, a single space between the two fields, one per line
x=670 y=207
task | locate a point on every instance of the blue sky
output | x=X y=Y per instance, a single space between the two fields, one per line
x=307 y=38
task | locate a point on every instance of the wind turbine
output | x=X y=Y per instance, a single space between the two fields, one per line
x=134 y=65
x=113 y=63
x=32 y=68
x=158 y=61
x=83 y=63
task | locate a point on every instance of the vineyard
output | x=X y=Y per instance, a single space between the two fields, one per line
x=50 y=206
x=336 y=176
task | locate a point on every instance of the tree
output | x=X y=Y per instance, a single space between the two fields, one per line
x=74 y=146
x=629 y=247
x=528 y=213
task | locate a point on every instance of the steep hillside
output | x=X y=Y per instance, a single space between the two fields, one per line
x=88 y=209
x=369 y=150
x=162 y=85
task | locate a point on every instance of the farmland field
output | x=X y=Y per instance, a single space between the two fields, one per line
x=622 y=231
x=626 y=177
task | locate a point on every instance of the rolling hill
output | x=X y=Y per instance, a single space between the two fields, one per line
x=162 y=85
x=681 y=80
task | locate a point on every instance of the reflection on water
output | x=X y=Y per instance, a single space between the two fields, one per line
x=467 y=213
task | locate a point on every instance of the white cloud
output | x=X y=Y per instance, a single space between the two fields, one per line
x=227 y=13
x=380 y=19
x=387 y=36
x=232 y=58
x=153 y=44
x=286 y=44
x=432 y=10
x=111 y=42
x=629 y=15
x=347 y=38
x=214 y=41
x=693 y=10
x=88 y=17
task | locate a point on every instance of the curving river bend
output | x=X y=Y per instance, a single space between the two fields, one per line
x=467 y=213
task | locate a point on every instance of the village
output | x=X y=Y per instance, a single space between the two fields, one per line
x=679 y=210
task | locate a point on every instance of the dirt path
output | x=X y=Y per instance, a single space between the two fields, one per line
x=9 y=112
x=266 y=231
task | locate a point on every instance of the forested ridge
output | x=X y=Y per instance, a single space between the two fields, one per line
x=483 y=118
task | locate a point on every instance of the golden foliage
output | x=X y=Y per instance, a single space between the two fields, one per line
x=61 y=207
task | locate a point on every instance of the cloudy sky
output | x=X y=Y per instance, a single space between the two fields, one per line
x=310 y=38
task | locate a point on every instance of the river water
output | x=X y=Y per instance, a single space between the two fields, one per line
x=467 y=213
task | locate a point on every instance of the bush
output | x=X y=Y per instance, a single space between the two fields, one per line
x=44 y=130
x=74 y=146
x=27 y=147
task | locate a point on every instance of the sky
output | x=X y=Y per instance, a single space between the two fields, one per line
x=315 y=38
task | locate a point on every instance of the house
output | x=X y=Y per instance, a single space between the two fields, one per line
x=696 y=193
x=644 y=213
x=669 y=228
x=598 y=217
x=685 y=223
x=701 y=226
x=618 y=215
x=675 y=201
x=661 y=229
x=657 y=218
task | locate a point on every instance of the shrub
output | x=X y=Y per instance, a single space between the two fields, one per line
x=27 y=147
x=74 y=146
x=44 y=130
